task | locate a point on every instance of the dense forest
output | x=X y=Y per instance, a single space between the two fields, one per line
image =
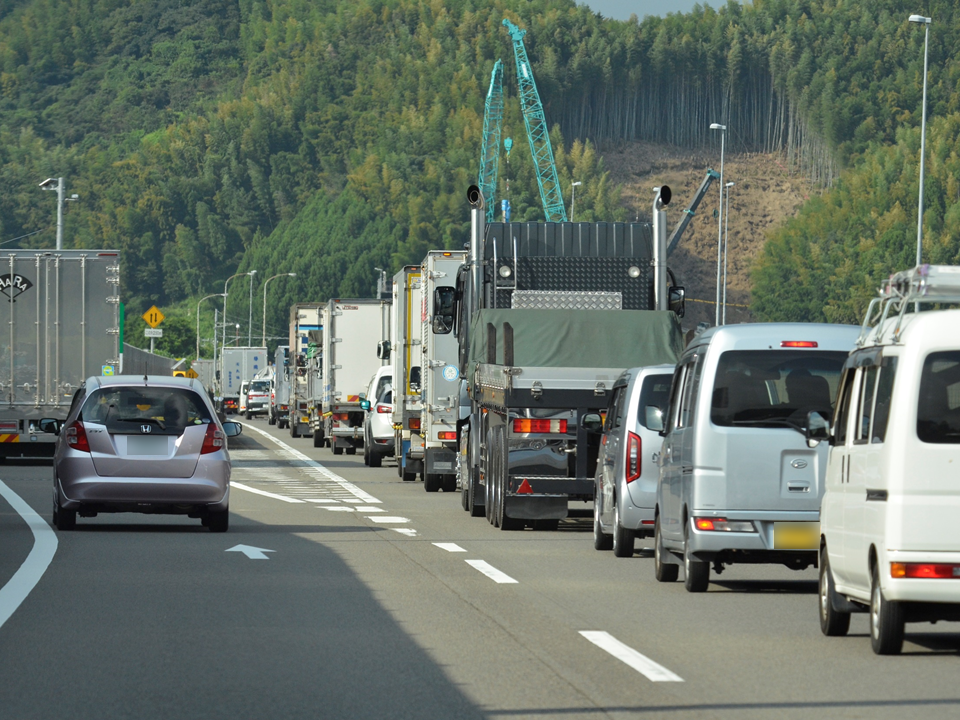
x=327 y=138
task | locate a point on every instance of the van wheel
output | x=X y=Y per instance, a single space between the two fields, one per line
x=886 y=621
x=293 y=431
x=832 y=622
x=600 y=540
x=696 y=573
x=622 y=537
x=665 y=572
x=218 y=522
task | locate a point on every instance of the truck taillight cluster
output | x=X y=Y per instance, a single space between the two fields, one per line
x=212 y=440
x=447 y=435
x=530 y=425
x=414 y=423
x=76 y=437
x=634 y=448
x=340 y=417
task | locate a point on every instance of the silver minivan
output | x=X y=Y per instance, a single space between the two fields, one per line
x=738 y=482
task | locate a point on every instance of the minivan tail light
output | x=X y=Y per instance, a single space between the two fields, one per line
x=929 y=571
x=634 y=447
x=798 y=344
x=384 y=408
x=212 y=440
x=723 y=525
x=77 y=437
x=530 y=425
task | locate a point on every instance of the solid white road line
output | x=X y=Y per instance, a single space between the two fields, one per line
x=641 y=663
x=450 y=547
x=32 y=569
x=359 y=494
x=490 y=571
x=264 y=493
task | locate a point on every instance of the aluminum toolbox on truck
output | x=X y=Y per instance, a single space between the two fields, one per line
x=354 y=328
x=405 y=356
x=440 y=386
x=62 y=326
x=304 y=319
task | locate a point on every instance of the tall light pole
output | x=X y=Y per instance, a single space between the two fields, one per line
x=250 y=312
x=925 y=21
x=57 y=184
x=198 y=322
x=726 y=240
x=224 y=337
x=723 y=135
x=573 y=197
x=263 y=337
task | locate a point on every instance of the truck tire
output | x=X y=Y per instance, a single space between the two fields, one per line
x=317 y=439
x=449 y=483
x=293 y=430
x=352 y=450
x=337 y=450
x=504 y=521
x=271 y=419
x=431 y=482
x=489 y=500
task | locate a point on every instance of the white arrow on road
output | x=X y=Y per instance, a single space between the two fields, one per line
x=254 y=553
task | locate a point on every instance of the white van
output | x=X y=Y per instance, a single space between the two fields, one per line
x=889 y=541
x=738 y=483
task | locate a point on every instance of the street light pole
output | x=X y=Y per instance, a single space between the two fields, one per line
x=224 y=336
x=573 y=197
x=925 y=21
x=250 y=312
x=726 y=240
x=198 y=322
x=57 y=184
x=263 y=336
x=723 y=135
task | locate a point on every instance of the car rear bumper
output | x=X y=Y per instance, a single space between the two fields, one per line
x=921 y=590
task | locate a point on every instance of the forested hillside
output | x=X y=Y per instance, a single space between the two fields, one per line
x=329 y=137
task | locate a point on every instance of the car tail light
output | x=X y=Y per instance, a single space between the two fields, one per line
x=414 y=423
x=634 y=447
x=929 y=571
x=529 y=425
x=723 y=525
x=77 y=437
x=798 y=344
x=446 y=435
x=213 y=440
x=384 y=408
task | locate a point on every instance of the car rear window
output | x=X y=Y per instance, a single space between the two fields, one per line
x=938 y=407
x=124 y=410
x=654 y=391
x=774 y=388
x=259 y=386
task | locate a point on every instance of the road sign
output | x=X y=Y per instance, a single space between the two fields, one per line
x=191 y=373
x=153 y=317
x=106 y=370
x=153 y=332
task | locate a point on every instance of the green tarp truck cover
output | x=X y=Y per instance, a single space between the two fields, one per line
x=580 y=338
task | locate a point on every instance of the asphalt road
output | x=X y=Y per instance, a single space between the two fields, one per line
x=355 y=611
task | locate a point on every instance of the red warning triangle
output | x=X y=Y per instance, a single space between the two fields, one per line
x=525 y=488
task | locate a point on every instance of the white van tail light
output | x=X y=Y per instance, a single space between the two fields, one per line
x=929 y=571
x=77 y=437
x=723 y=525
x=212 y=441
x=798 y=344
x=634 y=448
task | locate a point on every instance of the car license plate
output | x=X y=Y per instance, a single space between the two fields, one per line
x=137 y=445
x=796 y=535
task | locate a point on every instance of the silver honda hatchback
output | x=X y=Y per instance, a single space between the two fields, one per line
x=145 y=444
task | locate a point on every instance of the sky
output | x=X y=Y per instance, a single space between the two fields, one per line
x=622 y=9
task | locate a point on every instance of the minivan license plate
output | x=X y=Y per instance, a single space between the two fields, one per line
x=796 y=535
x=139 y=445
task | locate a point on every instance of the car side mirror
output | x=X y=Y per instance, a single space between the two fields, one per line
x=383 y=350
x=653 y=418
x=364 y=404
x=232 y=429
x=677 y=300
x=818 y=428
x=592 y=422
x=50 y=425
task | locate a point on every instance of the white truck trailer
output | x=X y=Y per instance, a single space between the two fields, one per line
x=62 y=318
x=279 y=414
x=304 y=319
x=405 y=356
x=238 y=365
x=440 y=375
x=353 y=331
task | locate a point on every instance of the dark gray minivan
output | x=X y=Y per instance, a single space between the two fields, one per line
x=738 y=483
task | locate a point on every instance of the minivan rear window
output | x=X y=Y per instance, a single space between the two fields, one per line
x=774 y=388
x=260 y=386
x=938 y=407
x=655 y=391
x=127 y=410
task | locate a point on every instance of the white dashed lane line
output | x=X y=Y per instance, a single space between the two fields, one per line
x=491 y=572
x=450 y=547
x=626 y=654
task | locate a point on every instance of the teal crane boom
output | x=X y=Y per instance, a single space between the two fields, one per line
x=537 y=132
x=691 y=209
x=490 y=149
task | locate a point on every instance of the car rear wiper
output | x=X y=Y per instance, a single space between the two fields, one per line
x=773 y=420
x=142 y=420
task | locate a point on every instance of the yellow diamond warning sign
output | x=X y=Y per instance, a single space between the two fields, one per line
x=153 y=316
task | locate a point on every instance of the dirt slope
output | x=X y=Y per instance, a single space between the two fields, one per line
x=764 y=196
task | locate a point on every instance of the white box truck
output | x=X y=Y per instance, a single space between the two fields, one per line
x=237 y=365
x=60 y=315
x=405 y=356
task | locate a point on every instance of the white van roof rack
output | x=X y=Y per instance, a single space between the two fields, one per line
x=922 y=284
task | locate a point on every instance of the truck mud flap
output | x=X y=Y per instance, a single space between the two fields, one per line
x=441 y=461
x=533 y=507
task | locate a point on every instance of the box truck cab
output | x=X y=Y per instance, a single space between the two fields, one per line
x=889 y=544
x=738 y=482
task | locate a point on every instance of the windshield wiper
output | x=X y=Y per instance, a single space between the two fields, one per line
x=773 y=420
x=142 y=420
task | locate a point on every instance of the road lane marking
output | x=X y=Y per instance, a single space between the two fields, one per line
x=368 y=508
x=626 y=654
x=254 y=553
x=409 y=532
x=490 y=571
x=316 y=468
x=264 y=493
x=337 y=508
x=37 y=561
x=389 y=519
x=450 y=547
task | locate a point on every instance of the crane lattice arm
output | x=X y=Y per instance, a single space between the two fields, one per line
x=537 y=132
x=490 y=149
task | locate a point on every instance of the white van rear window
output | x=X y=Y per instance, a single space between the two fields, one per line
x=774 y=388
x=938 y=407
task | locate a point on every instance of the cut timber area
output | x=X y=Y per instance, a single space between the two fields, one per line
x=765 y=195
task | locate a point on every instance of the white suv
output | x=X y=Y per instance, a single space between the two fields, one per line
x=889 y=544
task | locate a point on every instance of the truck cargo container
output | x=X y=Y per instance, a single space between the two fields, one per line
x=304 y=319
x=238 y=365
x=405 y=356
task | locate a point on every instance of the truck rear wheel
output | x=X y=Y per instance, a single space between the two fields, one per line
x=449 y=483
x=431 y=482
x=293 y=430
x=337 y=450
x=504 y=521
x=317 y=439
